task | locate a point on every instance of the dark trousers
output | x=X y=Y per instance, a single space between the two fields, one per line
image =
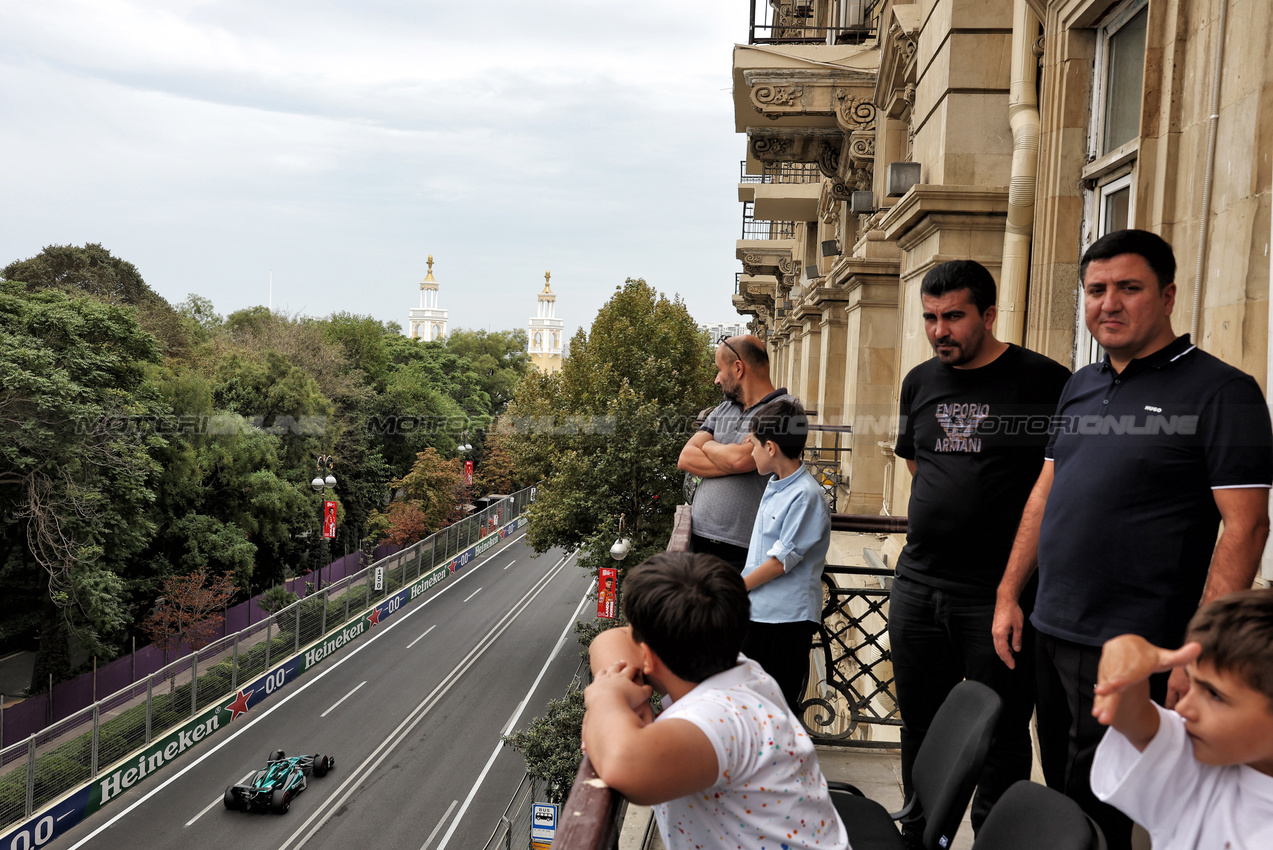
x=1068 y=733
x=782 y=649
x=735 y=556
x=938 y=639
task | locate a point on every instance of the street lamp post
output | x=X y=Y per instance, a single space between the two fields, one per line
x=320 y=483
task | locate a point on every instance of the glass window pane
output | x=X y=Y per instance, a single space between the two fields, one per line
x=1124 y=81
x=1116 y=209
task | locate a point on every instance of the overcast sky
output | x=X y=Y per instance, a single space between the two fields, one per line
x=339 y=143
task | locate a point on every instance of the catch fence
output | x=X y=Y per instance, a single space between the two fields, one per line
x=59 y=758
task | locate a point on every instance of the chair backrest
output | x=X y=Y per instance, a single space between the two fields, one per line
x=1033 y=815
x=949 y=761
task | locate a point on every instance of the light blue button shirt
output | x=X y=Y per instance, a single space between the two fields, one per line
x=794 y=526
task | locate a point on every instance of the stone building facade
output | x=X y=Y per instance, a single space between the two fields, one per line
x=884 y=137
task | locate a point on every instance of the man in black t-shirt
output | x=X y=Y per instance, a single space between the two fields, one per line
x=1154 y=446
x=975 y=421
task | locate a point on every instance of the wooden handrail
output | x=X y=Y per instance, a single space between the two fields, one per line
x=868 y=523
x=591 y=816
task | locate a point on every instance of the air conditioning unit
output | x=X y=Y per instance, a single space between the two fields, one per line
x=861 y=203
x=901 y=176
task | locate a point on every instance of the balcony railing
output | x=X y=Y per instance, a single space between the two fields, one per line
x=754 y=228
x=813 y=21
x=781 y=172
x=826 y=461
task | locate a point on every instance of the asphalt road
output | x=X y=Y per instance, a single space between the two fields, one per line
x=412 y=713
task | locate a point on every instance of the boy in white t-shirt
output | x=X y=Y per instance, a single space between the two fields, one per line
x=1200 y=776
x=726 y=765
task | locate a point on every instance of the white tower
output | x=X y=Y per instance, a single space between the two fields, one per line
x=427 y=322
x=544 y=333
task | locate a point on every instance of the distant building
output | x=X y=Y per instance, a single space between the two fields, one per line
x=427 y=321
x=544 y=333
x=716 y=330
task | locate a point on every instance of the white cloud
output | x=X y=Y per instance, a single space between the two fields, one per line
x=338 y=143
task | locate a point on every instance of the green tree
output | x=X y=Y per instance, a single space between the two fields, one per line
x=604 y=433
x=499 y=358
x=77 y=425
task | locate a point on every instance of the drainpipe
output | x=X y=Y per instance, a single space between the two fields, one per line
x=1195 y=321
x=1023 y=117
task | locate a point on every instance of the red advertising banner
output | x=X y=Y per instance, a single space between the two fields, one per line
x=329 y=519
x=607 y=592
x=468 y=472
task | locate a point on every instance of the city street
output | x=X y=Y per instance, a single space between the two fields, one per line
x=412 y=713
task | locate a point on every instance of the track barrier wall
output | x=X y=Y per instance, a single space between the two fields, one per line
x=55 y=778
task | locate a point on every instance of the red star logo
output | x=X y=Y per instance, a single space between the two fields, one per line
x=239 y=706
x=375 y=616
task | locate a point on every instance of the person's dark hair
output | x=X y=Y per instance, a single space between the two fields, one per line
x=1236 y=633
x=691 y=609
x=783 y=422
x=1150 y=246
x=747 y=349
x=955 y=275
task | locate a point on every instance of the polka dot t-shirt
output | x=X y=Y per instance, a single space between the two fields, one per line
x=770 y=793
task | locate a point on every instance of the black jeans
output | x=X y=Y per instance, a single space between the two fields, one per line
x=782 y=649
x=735 y=556
x=1068 y=733
x=938 y=639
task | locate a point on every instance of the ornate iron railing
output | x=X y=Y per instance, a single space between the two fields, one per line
x=754 y=228
x=854 y=686
x=814 y=21
x=781 y=172
x=826 y=463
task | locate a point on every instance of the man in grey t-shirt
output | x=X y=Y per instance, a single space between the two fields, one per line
x=726 y=500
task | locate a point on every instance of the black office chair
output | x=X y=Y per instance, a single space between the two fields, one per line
x=944 y=775
x=1035 y=816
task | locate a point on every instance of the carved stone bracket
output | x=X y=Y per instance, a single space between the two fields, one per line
x=771 y=100
x=862 y=149
x=779 y=144
x=854 y=112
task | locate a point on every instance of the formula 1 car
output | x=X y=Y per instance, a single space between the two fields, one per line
x=274 y=786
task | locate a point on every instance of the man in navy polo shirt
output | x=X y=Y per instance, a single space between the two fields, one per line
x=1154 y=446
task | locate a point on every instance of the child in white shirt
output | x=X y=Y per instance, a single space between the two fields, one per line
x=1200 y=776
x=727 y=765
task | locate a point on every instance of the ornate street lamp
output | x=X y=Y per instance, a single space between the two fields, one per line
x=320 y=483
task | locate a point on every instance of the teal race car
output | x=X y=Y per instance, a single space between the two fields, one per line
x=274 y=786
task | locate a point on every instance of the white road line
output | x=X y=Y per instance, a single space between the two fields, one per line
x=499 y=746
x=449 y=809
x=342 y=699
x=358 y=775
x=471 y=595
x=422 y=634
x=394 y=623
x=510 y=563
x=208 y=808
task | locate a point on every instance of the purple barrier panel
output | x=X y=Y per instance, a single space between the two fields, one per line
x=23 y=720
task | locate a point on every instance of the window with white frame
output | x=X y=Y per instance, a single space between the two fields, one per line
x=1118 y=83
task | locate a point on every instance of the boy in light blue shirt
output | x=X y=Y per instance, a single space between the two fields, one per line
x=788 y=550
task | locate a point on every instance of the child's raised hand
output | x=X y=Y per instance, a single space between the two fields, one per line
x=1128 y=660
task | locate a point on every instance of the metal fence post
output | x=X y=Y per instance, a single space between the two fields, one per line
x=269 y=624
x=234 y=665
x=194 y=683
x=150 y=682
x=92 y=769
x=349 y=591
x=30 y=775
x=323 y=628
x=296 y=627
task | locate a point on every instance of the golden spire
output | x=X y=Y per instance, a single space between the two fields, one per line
x=547 y=276
x=429 y=277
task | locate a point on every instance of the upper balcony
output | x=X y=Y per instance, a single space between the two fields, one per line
x=783 y=191
x=813 y=21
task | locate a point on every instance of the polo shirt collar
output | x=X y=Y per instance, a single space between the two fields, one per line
x=1169 y=353
x=776 y=484
x=781 y=391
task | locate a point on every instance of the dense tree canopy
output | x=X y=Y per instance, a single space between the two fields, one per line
x=140 y=444
x=604 y=433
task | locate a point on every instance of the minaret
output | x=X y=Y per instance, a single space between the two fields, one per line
x=544 y=334
x=427 y=322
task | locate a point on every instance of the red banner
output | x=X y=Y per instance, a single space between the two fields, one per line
x=468 y=472
x=607 y=592
x=329 y=519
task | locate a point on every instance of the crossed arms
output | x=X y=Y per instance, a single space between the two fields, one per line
x=706 y=457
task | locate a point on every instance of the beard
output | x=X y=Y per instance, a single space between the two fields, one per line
x=958 y=355
x=734 y=393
